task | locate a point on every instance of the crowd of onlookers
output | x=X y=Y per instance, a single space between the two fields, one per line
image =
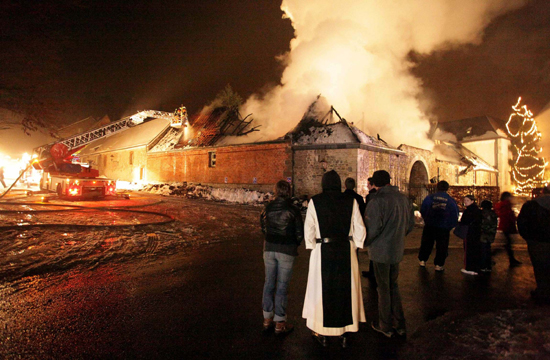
x=338 y=223
x=477 y=228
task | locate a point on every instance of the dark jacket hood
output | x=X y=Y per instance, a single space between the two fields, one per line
x=544 y=201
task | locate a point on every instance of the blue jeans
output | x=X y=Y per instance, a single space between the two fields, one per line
x=278 y=270
x=390 y=309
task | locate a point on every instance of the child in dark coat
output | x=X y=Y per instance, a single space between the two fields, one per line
x=489 y=222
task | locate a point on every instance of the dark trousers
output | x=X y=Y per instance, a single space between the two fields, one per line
x=440 y=237
x=390 y=309
x=539 y=252
x=486 y=255
x=508 y=246
x=472 y=254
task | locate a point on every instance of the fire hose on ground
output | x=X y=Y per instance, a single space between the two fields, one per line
x=78 y=208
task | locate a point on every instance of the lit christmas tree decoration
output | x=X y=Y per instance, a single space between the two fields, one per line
x=527 y=168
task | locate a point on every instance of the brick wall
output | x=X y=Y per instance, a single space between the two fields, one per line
x=253 y=166
x=370 y=161
x=348 y=160
x=310 y=165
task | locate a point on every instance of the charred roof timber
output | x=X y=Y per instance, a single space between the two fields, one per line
x=222 y=121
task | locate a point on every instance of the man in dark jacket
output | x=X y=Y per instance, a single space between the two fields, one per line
x=284 y=231
x=350 y=185
x=534 y=226
x=440 y=214
x=372 y=192
x=389 y=217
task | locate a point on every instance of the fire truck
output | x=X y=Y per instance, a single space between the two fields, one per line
x=74 y=180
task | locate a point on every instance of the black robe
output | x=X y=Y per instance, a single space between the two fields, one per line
x=334 y=213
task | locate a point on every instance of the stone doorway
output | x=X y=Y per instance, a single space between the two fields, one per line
x=418 y=182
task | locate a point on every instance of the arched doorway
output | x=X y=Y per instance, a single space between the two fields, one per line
x=418 y=182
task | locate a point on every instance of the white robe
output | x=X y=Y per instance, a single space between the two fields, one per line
x=313 y=303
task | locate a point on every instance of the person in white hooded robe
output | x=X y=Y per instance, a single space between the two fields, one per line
x=333 y=230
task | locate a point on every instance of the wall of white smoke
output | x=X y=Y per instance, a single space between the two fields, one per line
x=354 y=53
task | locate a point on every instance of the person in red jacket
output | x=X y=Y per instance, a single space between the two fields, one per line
x=507 y=224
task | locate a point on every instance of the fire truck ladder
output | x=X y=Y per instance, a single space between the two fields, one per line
x=113 y=128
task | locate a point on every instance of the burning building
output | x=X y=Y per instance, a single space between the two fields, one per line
x=204 y=152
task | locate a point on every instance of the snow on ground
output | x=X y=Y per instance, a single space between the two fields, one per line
x=233 y=195
x=505 y=334
x=126 y=185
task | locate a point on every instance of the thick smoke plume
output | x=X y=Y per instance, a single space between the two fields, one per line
x=355 y=54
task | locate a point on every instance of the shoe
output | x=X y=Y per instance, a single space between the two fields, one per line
x=439 y=268
x=422 y=263
x=400 y=332
x=268 y=324
x=343 y=341
x=467 y=272
x=515 y=262
x=321 y=339
x=387 y=334
x=282 y=327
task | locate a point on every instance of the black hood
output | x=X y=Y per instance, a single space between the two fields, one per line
x=331 y=181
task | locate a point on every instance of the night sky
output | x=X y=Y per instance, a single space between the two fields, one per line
x=115 y=57
x=92 y=58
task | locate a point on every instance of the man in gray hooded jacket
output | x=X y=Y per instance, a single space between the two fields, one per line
x=389 y=217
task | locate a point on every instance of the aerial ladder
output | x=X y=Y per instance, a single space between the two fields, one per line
x=68 y=179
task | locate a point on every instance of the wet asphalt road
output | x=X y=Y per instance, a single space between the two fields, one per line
x=206 y=302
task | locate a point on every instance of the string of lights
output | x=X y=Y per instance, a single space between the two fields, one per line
x=528 y=168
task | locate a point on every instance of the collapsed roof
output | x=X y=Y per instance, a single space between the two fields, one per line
x=318 y=127
x=455 y=152
x=220 y=122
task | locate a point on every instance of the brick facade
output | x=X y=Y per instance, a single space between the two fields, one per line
x=254 y=166
x=348 y=160
x=259 y=166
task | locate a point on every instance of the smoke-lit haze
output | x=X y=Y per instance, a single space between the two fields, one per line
x=355 y=54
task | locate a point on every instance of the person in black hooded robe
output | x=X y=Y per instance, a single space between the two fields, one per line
x=333 y=230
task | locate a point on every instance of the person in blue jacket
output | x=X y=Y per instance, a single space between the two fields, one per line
x=440 y=214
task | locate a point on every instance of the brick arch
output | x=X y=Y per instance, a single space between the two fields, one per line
x=418 y=178
x=416 y=159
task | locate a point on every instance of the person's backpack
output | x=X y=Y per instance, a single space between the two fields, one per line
x=534 y=222
x=489 y=222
